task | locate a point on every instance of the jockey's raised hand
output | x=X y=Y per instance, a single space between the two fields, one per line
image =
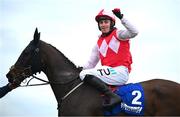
x=117 y=13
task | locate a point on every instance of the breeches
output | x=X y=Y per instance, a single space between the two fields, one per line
x=110 y=75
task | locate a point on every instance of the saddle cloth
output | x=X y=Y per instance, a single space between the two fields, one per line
x=132 y=96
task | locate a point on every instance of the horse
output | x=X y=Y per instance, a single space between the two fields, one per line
x=76 y=98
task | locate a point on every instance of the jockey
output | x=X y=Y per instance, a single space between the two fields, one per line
x=113 y=51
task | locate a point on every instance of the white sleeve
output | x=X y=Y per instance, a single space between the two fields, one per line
x=130 y=31
x=93 y=60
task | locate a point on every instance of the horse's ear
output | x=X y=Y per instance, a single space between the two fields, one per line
x=36 y=37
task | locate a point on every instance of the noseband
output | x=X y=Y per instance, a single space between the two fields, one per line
x=20 y=73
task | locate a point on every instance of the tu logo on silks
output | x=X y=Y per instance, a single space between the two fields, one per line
x=107 y=71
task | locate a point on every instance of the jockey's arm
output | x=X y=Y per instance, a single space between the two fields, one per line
x=93 y=60
x=130 y=31
x=4 y=90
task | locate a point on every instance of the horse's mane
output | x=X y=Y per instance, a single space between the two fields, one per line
x=67 y=59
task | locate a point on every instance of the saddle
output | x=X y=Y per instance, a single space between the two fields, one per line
x=132 y=96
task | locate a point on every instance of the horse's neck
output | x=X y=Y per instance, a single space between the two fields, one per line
x=58 y=69
x=56 y=64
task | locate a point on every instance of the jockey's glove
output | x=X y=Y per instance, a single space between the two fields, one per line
x=117 y=13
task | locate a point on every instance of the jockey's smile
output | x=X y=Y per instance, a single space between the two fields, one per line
x=105 y=25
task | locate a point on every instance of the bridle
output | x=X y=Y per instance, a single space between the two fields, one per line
x=22 y=72
x=29 y=71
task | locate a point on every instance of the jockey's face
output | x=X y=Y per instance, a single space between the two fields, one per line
x=104 y=25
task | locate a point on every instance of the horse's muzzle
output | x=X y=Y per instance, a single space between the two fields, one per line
x=18 y=74
x=14 y=79
x=9 y=77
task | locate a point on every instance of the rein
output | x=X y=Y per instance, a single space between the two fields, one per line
x=29 y=70
x=45 y=82
x=34 y=77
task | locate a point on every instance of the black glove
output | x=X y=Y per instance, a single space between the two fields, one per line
x=117 y=13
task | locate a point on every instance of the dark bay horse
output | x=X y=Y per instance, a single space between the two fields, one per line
x=162 y=97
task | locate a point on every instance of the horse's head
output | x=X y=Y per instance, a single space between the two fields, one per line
x=28 y=62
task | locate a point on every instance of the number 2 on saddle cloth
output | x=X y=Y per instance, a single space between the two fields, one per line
x=132 y=96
